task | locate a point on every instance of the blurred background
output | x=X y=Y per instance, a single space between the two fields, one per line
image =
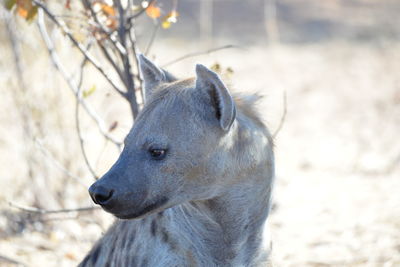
x=329 y=72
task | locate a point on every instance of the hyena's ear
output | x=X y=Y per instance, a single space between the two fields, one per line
x=209 y=81
x=152 y=75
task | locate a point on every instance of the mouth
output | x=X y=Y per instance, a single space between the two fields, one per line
x=148 y=209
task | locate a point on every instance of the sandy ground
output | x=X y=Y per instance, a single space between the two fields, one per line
x=337 y=200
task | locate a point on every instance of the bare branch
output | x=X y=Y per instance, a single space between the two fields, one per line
x=199 y=54
x=112 y=62
x=81 y=48
x=57 y=63
x=116 y=44
x=110 y=36
x=129 y=82
x=282 y=121
x=43 y=211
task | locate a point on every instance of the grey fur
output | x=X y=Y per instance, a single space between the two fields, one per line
x=152 y=75
x=206 y=202
x=210 y=81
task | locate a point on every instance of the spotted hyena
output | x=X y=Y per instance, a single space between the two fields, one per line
x=192 y=186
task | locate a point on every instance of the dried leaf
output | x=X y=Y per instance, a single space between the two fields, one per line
x=169 y=19
x=136 y=8
x=9 y=4
x=216 y=67
x=113 y=126
x=112 y=23
x=153 y=11
x=32 y=13
x=26 y=9
x=165 y=24
x=227 y=72
x=106 y=14
x=70 y=255
x=23 y=7
x=68 y=4
x=89 y=92
x=108 y=10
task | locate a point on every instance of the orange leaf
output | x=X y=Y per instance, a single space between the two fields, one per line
x=106 y=14
x=153 y=11
x=104 y=8
x=23 y=7
x=70 y=255
x=112 y=23
x=108 y=10
x=22 y=12
x=26 y=9
x=68 y=4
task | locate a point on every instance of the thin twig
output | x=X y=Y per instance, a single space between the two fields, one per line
x=79 y=133
x=43 y=211
x=111 y=61
x=57 y=164
x=198 y=54
x=77 y=123
x=81 y=48
x=152 y=38
x=136 y=52
x=12 y=261
x=75 y=18
x=81 y=69
x=282 y=121
x=99 y=156
x=57 y=63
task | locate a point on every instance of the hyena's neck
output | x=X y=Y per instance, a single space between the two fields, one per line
x=232 y=223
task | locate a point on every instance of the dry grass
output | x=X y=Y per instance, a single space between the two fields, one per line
x=337 y=201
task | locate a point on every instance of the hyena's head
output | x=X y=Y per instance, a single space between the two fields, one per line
x=179 y=149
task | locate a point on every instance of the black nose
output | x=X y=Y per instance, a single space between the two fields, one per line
x=100 y=195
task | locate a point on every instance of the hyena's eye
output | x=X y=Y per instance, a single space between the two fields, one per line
x=157 y=153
